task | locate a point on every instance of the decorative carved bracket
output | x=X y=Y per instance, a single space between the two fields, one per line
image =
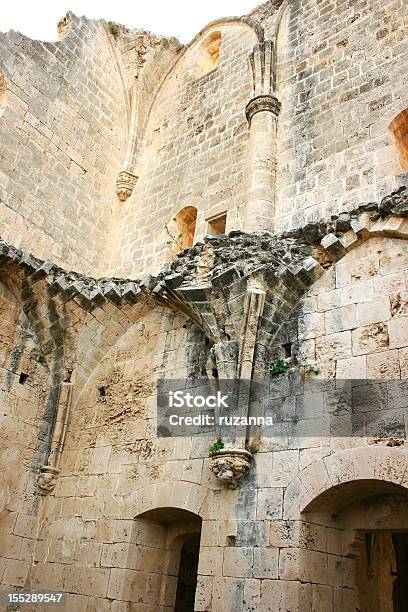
x=230 y=465
x=125 y=183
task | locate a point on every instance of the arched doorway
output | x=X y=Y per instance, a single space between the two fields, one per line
x=174 y=533
x=367 y=551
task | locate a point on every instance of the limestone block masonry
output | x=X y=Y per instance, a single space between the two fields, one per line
x=234 y=209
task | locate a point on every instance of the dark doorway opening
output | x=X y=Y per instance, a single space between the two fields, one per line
x=187 y=576
x=400 y=591
x=382 y=572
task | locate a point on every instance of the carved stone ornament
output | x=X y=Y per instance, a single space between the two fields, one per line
x=229 y=465
x=47 y=478
x=125 y=184
x=260 y=104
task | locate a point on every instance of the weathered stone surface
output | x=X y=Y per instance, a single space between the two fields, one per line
x=106 y=298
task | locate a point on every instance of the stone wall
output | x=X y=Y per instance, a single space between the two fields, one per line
x=341 y=81
x=25 y=421
x=93 y=502
x=63 y=133
x=193 y=154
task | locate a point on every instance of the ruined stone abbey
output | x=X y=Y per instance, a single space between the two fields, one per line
x=234 y=209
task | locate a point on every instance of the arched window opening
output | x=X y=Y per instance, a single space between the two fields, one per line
x=209 y=54
x=399 y=130
x=3 y=92
x=183 y=229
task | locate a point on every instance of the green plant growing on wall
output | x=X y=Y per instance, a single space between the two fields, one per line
x=42 y=360
x=177 y=241
x=279 y=368
x=216 y=447
x=310 y=369
x=295 y=419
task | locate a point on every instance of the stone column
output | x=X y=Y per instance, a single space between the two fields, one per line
x=262 y=114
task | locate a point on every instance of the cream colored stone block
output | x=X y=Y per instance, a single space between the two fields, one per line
x=284 y=467
x=86 y=580
x=403 y=361
x=370 y=339
x=269 y=504
x=228 y=594
x=340 y=467
x=209 y=534
x=352 y=368
x=10 y=545
x=328 y=300
x=295 y=499
x=238 y=562
x=280 y=596
x=364 y=461
x=391 y=464
x=91 y=507
x=357 y=292
x=340 y=319
x=100 y=460
x=304 y=565
x=203 y=596
x=322 y=598
x=46 y=576
x=191 y=470
x=315 y=478
x=263 y=466
x=334 y=346
x=88 y=553
x=398 y=332
x=265 y=562
x=374 y=312
x=16 y=572
x=311 y=326
x=383 y=365
x=128 y=585
x=211 y=560
x=252 y=594
x=288 y=533
x=152 y=560
x=390 y=284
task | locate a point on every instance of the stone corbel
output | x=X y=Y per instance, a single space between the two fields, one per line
x=47 y=478
x=231 y=463
x=125 y=183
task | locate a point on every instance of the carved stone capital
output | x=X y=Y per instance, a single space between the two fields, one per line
x=229 y=465
x=125 y=184
x=47 y=478
x=261 y=104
